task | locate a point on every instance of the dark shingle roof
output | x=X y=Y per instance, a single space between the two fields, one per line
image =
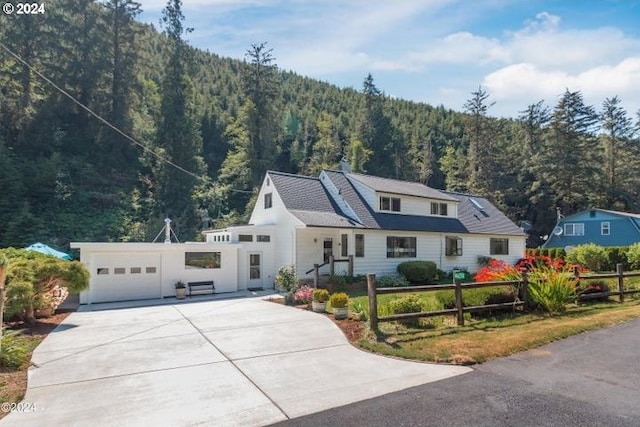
x=307 y=200
x=478 y=215
x=394 y=186
x=389 y=221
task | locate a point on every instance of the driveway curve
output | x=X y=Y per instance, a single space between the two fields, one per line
x=244 y=362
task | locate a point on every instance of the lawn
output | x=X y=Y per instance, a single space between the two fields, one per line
x=439 y=339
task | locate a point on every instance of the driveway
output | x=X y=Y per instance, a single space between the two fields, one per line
x=243 y=362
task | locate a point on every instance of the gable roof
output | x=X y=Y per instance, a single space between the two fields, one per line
x=394 y=186
x=480 y=216
x=389 y=221
x=308 y=200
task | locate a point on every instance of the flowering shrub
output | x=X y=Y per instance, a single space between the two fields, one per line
x=534 y=261
x=286 y=278
x=303 y=295
x=497 y=271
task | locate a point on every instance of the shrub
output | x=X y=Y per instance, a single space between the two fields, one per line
x=550 y=288
x=320 y=295
x=339 y=299
x=286 y=278
x=589 y=255
x=392 y=282
x=418 y=271
x=633 y=256
x=585 y=288
x=13 y=352
x=497 y=271
x=616 y=255
x=408 y=304
x=303 y=295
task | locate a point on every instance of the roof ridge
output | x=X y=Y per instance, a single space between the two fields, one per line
x=294 y=175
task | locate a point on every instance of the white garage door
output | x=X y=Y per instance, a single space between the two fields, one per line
x=125 y=277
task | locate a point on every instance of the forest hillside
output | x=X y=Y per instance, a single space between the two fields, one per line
x=108 y=126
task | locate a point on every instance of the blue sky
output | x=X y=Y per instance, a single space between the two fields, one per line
x=437 y=51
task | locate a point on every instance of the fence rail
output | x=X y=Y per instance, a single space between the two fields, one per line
x=522 y=299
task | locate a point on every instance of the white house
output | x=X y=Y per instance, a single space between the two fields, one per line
x=302 y=221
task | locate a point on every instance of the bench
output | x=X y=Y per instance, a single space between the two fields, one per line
x=201 y=286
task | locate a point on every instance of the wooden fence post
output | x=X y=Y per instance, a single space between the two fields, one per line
x=351 y=265
x=316 y=275
x=524 y=289
x=332 y=265
x=576 y=271
x=373 y=302
x=620 y=273
x=458 y=292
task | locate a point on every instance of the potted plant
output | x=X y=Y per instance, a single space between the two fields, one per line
x=181 y=289
x=340 y=302
x=319 y=302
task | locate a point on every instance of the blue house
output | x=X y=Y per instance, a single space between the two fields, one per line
x=599 y=226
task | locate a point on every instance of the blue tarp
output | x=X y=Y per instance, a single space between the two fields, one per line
x=44 y=249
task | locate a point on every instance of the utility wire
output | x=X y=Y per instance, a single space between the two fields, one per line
x=104 y=121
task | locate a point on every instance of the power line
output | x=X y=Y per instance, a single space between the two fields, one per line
x=206 y=179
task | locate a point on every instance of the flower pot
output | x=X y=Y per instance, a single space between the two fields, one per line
x=340 y=312
x=318 y=307
x=181 y=292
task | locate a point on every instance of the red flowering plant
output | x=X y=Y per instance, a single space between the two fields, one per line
x=497 y=271
x=531 y=262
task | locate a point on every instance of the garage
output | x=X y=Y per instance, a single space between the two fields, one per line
x=121 y=277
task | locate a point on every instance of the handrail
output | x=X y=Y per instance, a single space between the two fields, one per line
x=319 y=266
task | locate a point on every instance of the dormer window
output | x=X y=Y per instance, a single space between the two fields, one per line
x=439 y=209
x=391 y=204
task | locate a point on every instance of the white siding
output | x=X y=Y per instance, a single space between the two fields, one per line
x=411 y=205
x=429 y=247
x=170 y=268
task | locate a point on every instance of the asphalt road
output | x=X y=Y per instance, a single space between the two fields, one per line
x=592 y=379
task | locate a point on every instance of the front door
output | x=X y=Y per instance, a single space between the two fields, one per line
x=255 y=270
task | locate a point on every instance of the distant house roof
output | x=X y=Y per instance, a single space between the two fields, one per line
x=478 y=215
x=395 y=186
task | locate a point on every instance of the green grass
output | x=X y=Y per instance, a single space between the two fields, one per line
x=440 y=340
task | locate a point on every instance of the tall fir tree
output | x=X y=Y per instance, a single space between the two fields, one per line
x=178 y=135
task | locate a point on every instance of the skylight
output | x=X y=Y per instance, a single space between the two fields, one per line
x=476 y=203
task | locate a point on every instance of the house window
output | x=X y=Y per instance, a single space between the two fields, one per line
x=268 y=201
x=453 y=246
x=196 y=260
x=263 y=238
x=605 y=228
x=103 y=271
x=245 y=237
x=439 y=209
x=359 y=245
x=401 y=247
x=391 y=204
x=135 y=270
x=268 y=182
x=119 y=270
x=499 y=247
x=150 y=270
x=344 y=245
x=574 y=229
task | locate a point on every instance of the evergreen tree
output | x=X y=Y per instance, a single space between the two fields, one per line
x=481 y=139
x=571 y=154
x=326 y=150
x=620 y=155
x=178 y=135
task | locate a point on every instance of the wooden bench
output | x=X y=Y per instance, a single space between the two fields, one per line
x=201 y=286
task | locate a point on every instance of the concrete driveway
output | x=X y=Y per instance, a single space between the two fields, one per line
x=244 y=362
